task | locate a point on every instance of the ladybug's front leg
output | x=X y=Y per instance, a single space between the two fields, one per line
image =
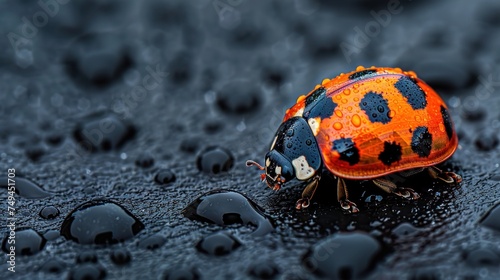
x=343 y=197
x=308 y=193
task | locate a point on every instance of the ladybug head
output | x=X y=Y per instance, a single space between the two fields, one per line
x=278 y=169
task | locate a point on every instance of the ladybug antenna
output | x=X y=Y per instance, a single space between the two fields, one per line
x=251 y=162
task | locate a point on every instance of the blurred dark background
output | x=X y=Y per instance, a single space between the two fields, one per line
x=117 y=115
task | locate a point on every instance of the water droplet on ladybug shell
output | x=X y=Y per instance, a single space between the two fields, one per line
x=337 y=126
x=356 y=120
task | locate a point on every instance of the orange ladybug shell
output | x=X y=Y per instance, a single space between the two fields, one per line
x=375 y=121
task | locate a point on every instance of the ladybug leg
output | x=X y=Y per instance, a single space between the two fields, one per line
x=391 y=187
x=447 y=177
x=308 y=194
x=343 y=197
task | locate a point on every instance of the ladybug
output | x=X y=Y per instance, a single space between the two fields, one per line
x=362 y=125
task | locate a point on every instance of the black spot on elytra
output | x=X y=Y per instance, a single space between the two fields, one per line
x=323 y=109
x=361 y=74
x=447 y=122
x=414 y=95
x=421 y=142
x=347 y=150
x=376 y=107
x=310 y=99
x=392 y=152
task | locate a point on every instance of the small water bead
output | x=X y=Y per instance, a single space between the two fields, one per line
x=337 y=126
x=338 y=113
x=215 y=160
x=86 y=257
x=152 y=242
x=87 y=271
x=218 y=244
x=356 y=120
x=165 y=176
x=54 y=266
x=343 y=256
x=145 y=161
x=49 y=212
x=28 y=242
x=120 y=256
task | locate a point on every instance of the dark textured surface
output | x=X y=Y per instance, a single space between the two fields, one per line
x=126 y=101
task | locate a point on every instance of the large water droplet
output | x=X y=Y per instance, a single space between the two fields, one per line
x=27 y=242
x=492 y=218
x=224 y=207
x=100 y=222
x=25 y=188
x=343 y=256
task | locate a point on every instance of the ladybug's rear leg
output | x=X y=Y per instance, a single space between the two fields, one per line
x=308 y=193
x=447 y=177
x=343 y=197
x=391 y=187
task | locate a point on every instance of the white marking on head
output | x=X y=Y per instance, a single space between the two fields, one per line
x=274 y=142
x=299 y=113
x=302 y=169
x=278 y=170
x=268 y=162
x=314 y=123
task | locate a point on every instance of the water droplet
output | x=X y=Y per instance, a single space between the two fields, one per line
x=325 y=81
x=418 y=118
x=98 y=59
x=87 y=271
x=152 y=242
x=482 y=257
x=405 y=229
x=190 y=145
x=100 y=222
x=228 y=207
x=28 y=242
x=218 y=244
x=338 y=113
x=181 y=274
x=86 y=257
x=491 y=219
x=356 y=120
x=214 y=160
x=343 y=256
x=486 y=140
x=337 y=126
x=55 y=266
x=165 y=176
x=103 y=134
x=264 y=270
x=347 y=91
x=120 y=256
x=25 y=188
x=391 y=113
x=309 y=142
x=238 y=97
x=49 y=212
x=290 y=132
x=145 y=161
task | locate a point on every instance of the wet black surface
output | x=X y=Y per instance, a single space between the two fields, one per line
x=132 y=122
